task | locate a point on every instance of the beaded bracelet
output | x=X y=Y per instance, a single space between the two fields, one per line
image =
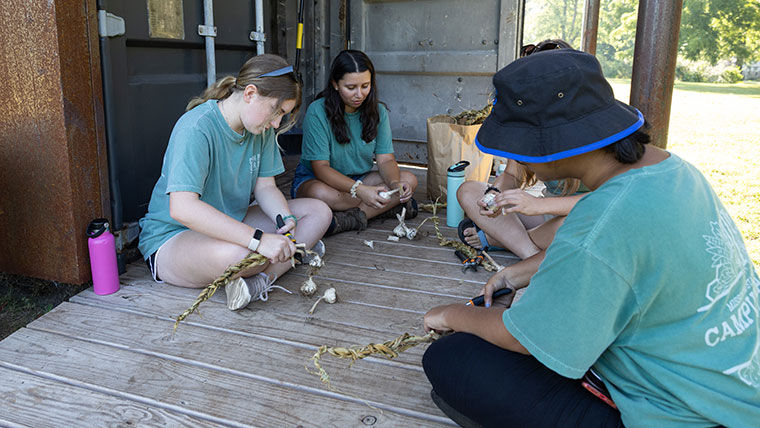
x=495 y=189
x=295 y=220
x=354 y=187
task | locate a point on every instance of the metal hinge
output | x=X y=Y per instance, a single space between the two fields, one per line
x=110 y=25
x=258 y=36
x=207 y=30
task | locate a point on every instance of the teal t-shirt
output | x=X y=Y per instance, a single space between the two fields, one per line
x=352 y=158
x=649 y=281
x=207 y=157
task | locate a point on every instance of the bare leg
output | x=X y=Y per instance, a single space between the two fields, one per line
x=341 y=201
x=506 y=231
x=194 y=260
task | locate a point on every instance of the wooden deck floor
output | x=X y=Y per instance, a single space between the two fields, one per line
x=114 y=360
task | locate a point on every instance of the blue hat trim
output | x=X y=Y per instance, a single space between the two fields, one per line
x=567 y=153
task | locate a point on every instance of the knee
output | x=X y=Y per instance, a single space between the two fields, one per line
x=467 y=190
x=409 y=178
x=320 y=211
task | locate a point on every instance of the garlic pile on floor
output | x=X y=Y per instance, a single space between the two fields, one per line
x=402 y=230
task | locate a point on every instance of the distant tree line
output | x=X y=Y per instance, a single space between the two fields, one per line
x=716 y=37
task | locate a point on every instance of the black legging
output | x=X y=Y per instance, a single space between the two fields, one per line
x=500 y=388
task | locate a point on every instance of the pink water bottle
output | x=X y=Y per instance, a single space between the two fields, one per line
x=105 y=273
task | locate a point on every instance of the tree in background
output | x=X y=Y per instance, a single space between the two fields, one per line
x=711 y=30
x=714 y=30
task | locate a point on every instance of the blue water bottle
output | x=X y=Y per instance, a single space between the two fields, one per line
x=454 y=178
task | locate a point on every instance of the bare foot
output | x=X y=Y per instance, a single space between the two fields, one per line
x=471 y=238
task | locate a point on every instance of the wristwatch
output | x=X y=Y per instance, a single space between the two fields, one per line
x=255 y=240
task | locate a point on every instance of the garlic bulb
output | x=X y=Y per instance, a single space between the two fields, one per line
x=411 y=233
x=387 y=195
x=330 y=296
x=488 y=201
x=399 y=230
x=308 y=287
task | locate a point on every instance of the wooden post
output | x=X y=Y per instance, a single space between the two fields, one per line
x=590 y=26
x=53 y=165
x=654 y=64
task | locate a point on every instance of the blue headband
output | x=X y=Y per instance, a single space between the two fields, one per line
x=278 y=72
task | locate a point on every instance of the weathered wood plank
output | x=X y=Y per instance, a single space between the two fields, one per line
x=270 y=358
x=166 y=302
x=32 y=401
x=374 y=308
x=222 y=396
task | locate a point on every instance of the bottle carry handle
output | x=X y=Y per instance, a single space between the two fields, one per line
x=459 y=166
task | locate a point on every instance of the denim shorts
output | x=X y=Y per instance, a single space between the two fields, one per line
x=303 y=174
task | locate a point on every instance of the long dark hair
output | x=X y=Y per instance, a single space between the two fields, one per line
x=351 y=61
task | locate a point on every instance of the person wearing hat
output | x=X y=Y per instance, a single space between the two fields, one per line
x=646 y=293
x=522 y=223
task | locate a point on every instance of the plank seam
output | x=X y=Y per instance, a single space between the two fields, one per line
x=233 y=372
x=120 y=394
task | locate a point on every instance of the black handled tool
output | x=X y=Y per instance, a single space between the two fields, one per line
x=469 y=262
x=463 y=258
x=477 y=301
x=280 y=223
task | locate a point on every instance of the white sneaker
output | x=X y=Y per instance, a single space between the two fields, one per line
x=241 y=291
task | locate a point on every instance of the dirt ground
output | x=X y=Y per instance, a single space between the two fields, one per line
x=24 y=299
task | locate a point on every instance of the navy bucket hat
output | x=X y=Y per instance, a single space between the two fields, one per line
x=553 y=105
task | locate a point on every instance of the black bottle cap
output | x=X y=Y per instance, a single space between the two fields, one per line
x=97 y=227
x=459 y=166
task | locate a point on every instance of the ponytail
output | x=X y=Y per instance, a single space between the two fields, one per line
x=218 y=91
x=282 y=87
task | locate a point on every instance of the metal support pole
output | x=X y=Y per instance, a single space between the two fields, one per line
x=208 y=20
x=654 y=64
x=590 y=26
x=260 y=26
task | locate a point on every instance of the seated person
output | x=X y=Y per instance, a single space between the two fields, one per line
x=222 y=155
x=647 y=289
x=528 y=223
x=342 y=130
x=517 y=221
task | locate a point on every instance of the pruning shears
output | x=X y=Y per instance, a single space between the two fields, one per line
x=469 y=262
x=280 y=223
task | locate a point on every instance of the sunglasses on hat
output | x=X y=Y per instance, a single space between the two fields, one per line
x=531 y=48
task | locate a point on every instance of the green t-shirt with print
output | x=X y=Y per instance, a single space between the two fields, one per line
x=207 y=157
x=352 y=158
x=649 y=281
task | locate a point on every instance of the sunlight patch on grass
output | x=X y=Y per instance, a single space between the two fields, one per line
x=716 y=127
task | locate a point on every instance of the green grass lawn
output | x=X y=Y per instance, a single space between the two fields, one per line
x=716 y=127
